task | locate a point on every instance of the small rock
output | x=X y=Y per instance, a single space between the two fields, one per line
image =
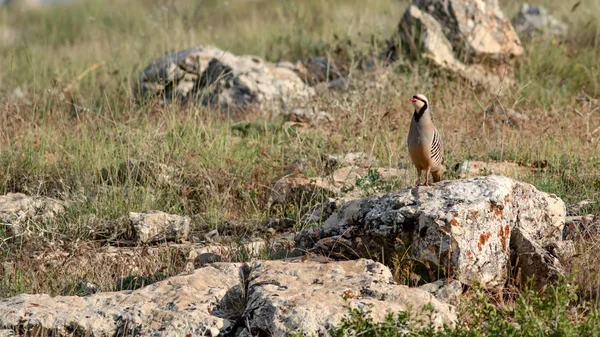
x=432 y=287
x=19 y=212
x=211 y=235
x=474 y=168
x=281 y=225
x=206 y=258
x=337 y=84
x=585 y=226
x=83 y=288
x=157 y=226
x=347 y=182
x=320 y=212
x=317 y=69
x=286 y=65
x=563 y=250
x=359 y=159
x=450 y=292
x=574 y=209
x=229 y=252
x=534 y=19
x=516 y=117
x=7 y=333
x=23 y=4
x=8 y=36
x=304 y=115
x=141 y=172
x=297 y=166
x=445 y=292
x=507 y=116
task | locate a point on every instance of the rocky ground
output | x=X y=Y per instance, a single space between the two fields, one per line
x=245 y=171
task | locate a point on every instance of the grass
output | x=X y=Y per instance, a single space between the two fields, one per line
x=78 y=122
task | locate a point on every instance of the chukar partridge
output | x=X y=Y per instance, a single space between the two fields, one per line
x=424 y=142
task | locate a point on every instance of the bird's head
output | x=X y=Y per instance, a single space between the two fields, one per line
x=419 y=101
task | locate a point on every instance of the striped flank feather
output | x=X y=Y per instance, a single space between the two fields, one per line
x=437 y=149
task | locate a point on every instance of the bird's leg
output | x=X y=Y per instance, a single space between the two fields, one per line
x=418 y=178
x=427 y=178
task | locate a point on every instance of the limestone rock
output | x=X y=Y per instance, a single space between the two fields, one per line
x=469 y=37
x=476 y=28
x=469 y=229
x=7 y=333
x=532 y=19
x=306 y=115
x=209 y=76
x=273 y=296
x=142 y=172
x=475 y=168
x=175 y=307
x=202 y=255
x=443 y=291
x=316 y=70
x=309 y=296
x=22 y=4
x=347 y=181
x=359 y=159
x=156 y=226
x=574 y=209
x=8 y=36
x=19 y=212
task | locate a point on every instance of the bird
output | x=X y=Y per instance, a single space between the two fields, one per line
x=424 y=142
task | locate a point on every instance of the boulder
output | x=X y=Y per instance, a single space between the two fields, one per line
x=20 y=212
x=533 y=20
x=273 y=297
x=471 y=230
x=157 y=226
x=468 y=37
x=209 y=76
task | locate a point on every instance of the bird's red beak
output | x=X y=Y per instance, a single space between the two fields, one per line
x=412 y=99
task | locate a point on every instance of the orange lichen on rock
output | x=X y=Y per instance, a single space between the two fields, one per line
x=483 y=239
x=504 y=234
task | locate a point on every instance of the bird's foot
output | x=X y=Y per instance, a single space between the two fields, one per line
x=418 y=182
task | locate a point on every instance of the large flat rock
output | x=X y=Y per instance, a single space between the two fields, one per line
x=270 y=296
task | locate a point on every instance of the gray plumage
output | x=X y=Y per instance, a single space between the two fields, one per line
x=424 y=142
